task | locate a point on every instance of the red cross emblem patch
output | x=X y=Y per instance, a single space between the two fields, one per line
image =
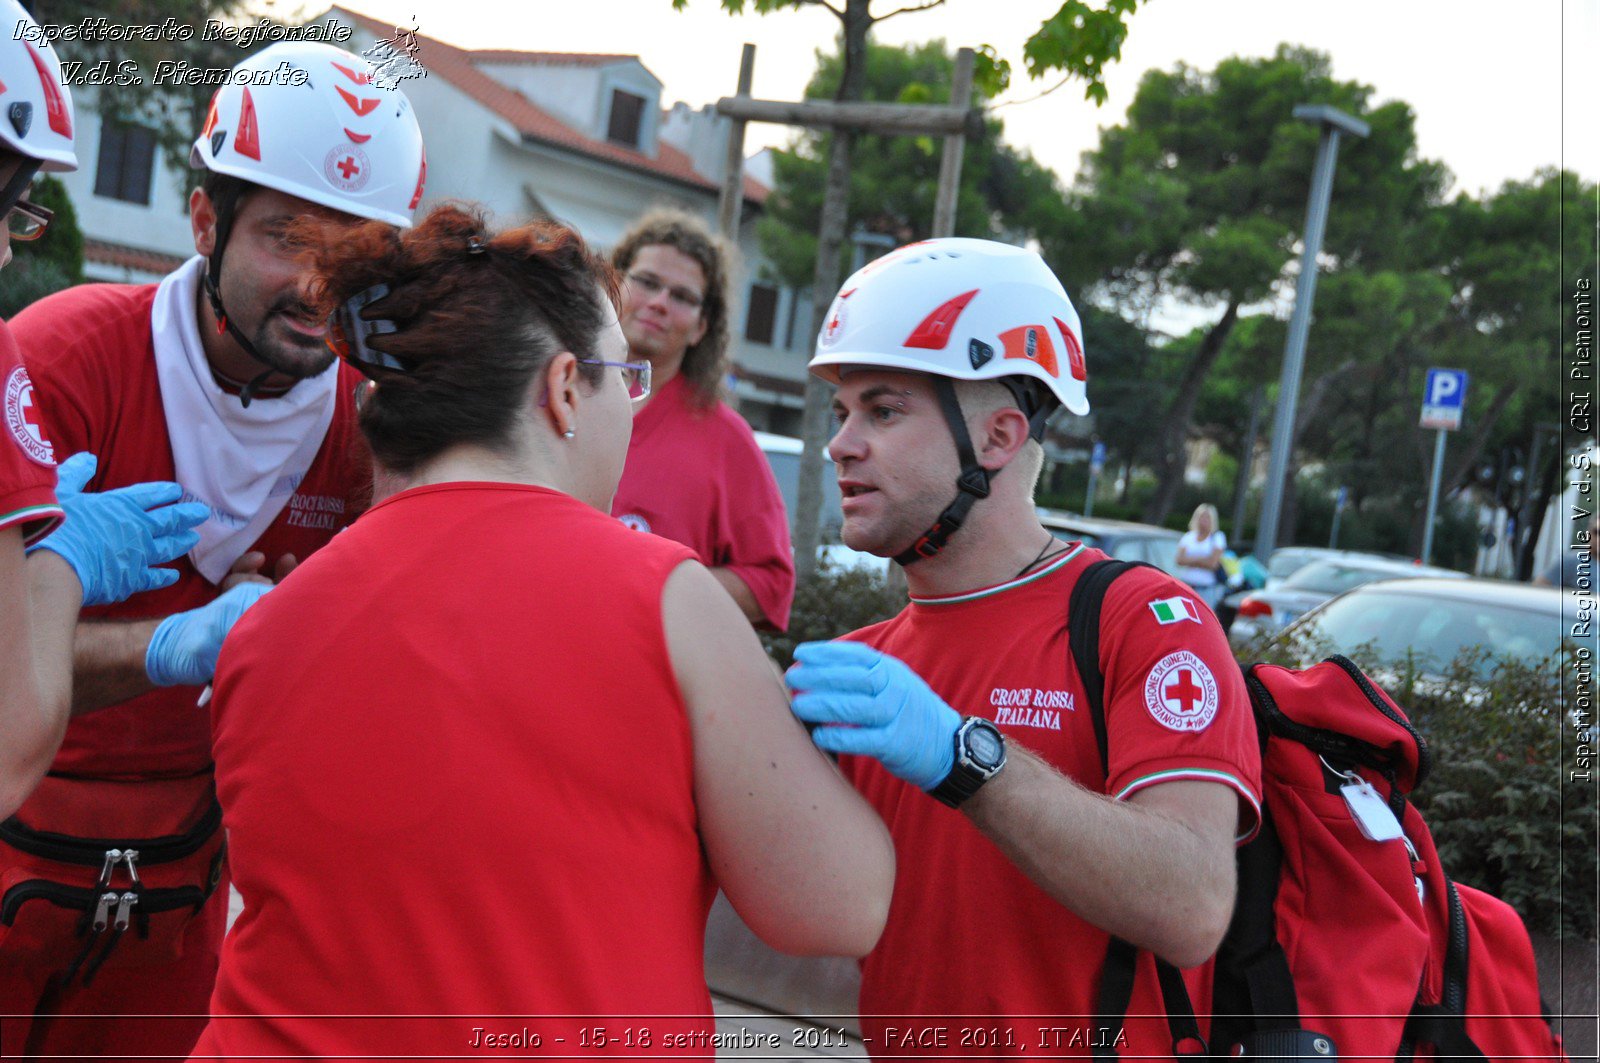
x=1181 y=692
x=347 y=168
x=23 y=419
x=833 y=328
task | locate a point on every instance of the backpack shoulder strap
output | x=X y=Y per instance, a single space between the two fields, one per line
x=1083 y=638
x=1117 y=973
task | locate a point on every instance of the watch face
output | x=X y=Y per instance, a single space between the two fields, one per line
x=984 y=746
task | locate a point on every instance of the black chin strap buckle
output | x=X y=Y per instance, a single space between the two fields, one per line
x=974 y=481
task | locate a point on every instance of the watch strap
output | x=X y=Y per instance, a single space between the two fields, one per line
x=965 y=777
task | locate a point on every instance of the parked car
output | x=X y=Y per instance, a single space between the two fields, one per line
x=783 y=454
x=1288 y=560
x=1271 y=609
x=1285 y=562
x=1118 y=538
x=1432 y=620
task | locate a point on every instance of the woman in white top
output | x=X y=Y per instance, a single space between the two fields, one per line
x=1200 y=554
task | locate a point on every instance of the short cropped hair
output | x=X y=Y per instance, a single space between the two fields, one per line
x=980 y=398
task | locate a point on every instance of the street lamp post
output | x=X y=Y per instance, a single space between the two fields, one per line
x=1333 y=123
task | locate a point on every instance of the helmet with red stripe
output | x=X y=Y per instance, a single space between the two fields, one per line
x=306 y=119
x=958 y=308
x=36 y=118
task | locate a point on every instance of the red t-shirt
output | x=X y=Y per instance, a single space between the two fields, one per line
x=459 y=781
x=27 y=460
x=969 y=934
x=696 y=476
x=92 y=357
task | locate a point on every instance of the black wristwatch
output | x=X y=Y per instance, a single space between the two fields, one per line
x=980 y=754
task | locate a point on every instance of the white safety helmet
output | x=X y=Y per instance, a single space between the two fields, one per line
x=36 y=116
x=958 y=308
x=335 y=138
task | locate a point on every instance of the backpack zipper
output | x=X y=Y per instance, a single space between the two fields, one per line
x=79 y=898
x=66 y=849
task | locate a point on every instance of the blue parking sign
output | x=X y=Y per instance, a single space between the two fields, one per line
x=1443 y=398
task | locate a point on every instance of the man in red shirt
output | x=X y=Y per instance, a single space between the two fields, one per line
x=694 y=473
x=106 y=551
x=219 y=378
x=949 y=356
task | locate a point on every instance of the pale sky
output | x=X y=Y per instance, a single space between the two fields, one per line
x=1497 y=88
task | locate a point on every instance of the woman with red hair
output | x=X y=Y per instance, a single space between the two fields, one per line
x=490 y=753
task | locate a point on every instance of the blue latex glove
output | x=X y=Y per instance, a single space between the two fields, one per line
x=114 y=539
x=183 y=651
x=890 y=712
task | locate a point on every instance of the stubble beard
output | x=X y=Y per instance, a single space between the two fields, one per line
x=288 y=353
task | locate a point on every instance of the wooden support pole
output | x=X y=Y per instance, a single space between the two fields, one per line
x=944 y=204
x=916 y=119
x=733 y=166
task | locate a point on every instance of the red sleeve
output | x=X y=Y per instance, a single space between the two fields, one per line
x=62 y=342
x=27 y=458
x=1176 y=704
x=757 y=549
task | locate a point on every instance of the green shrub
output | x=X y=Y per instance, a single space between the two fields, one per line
x=26 y=281
x=1503 y=811
x=52 y=262
x=835 y=602
x=1501 y=806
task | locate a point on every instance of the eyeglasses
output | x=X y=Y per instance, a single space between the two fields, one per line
x=634 y=374
x=650 y=285
x=27 y=221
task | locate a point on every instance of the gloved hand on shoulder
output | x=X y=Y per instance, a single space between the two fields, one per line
x=870 y=703
x=113 y=540
x=184 y=649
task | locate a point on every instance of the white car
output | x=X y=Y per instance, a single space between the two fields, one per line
x=1269 y=610
x=783 y=454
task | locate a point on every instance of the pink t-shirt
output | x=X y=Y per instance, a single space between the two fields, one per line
x=697 y=477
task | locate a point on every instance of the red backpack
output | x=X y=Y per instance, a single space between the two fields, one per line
x=1348 y=940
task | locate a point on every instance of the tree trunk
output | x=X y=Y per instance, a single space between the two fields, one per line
x=1459 y=472
x=824 y=284
x=1544 y=485
x=1173 y=434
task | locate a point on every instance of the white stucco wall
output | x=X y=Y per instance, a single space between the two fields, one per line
x=581 y=95
x=162 y=226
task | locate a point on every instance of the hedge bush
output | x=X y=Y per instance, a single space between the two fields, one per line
x=1502 y=805
x=836 y=602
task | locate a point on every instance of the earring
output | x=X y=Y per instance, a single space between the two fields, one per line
x=569 y=434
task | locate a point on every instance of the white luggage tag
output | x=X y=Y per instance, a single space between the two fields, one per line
x=1370 y=811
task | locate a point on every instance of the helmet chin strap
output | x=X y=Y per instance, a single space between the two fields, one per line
x=973 y=483
x=213 y=286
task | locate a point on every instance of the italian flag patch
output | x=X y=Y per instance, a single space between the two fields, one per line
x=1172 y=610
